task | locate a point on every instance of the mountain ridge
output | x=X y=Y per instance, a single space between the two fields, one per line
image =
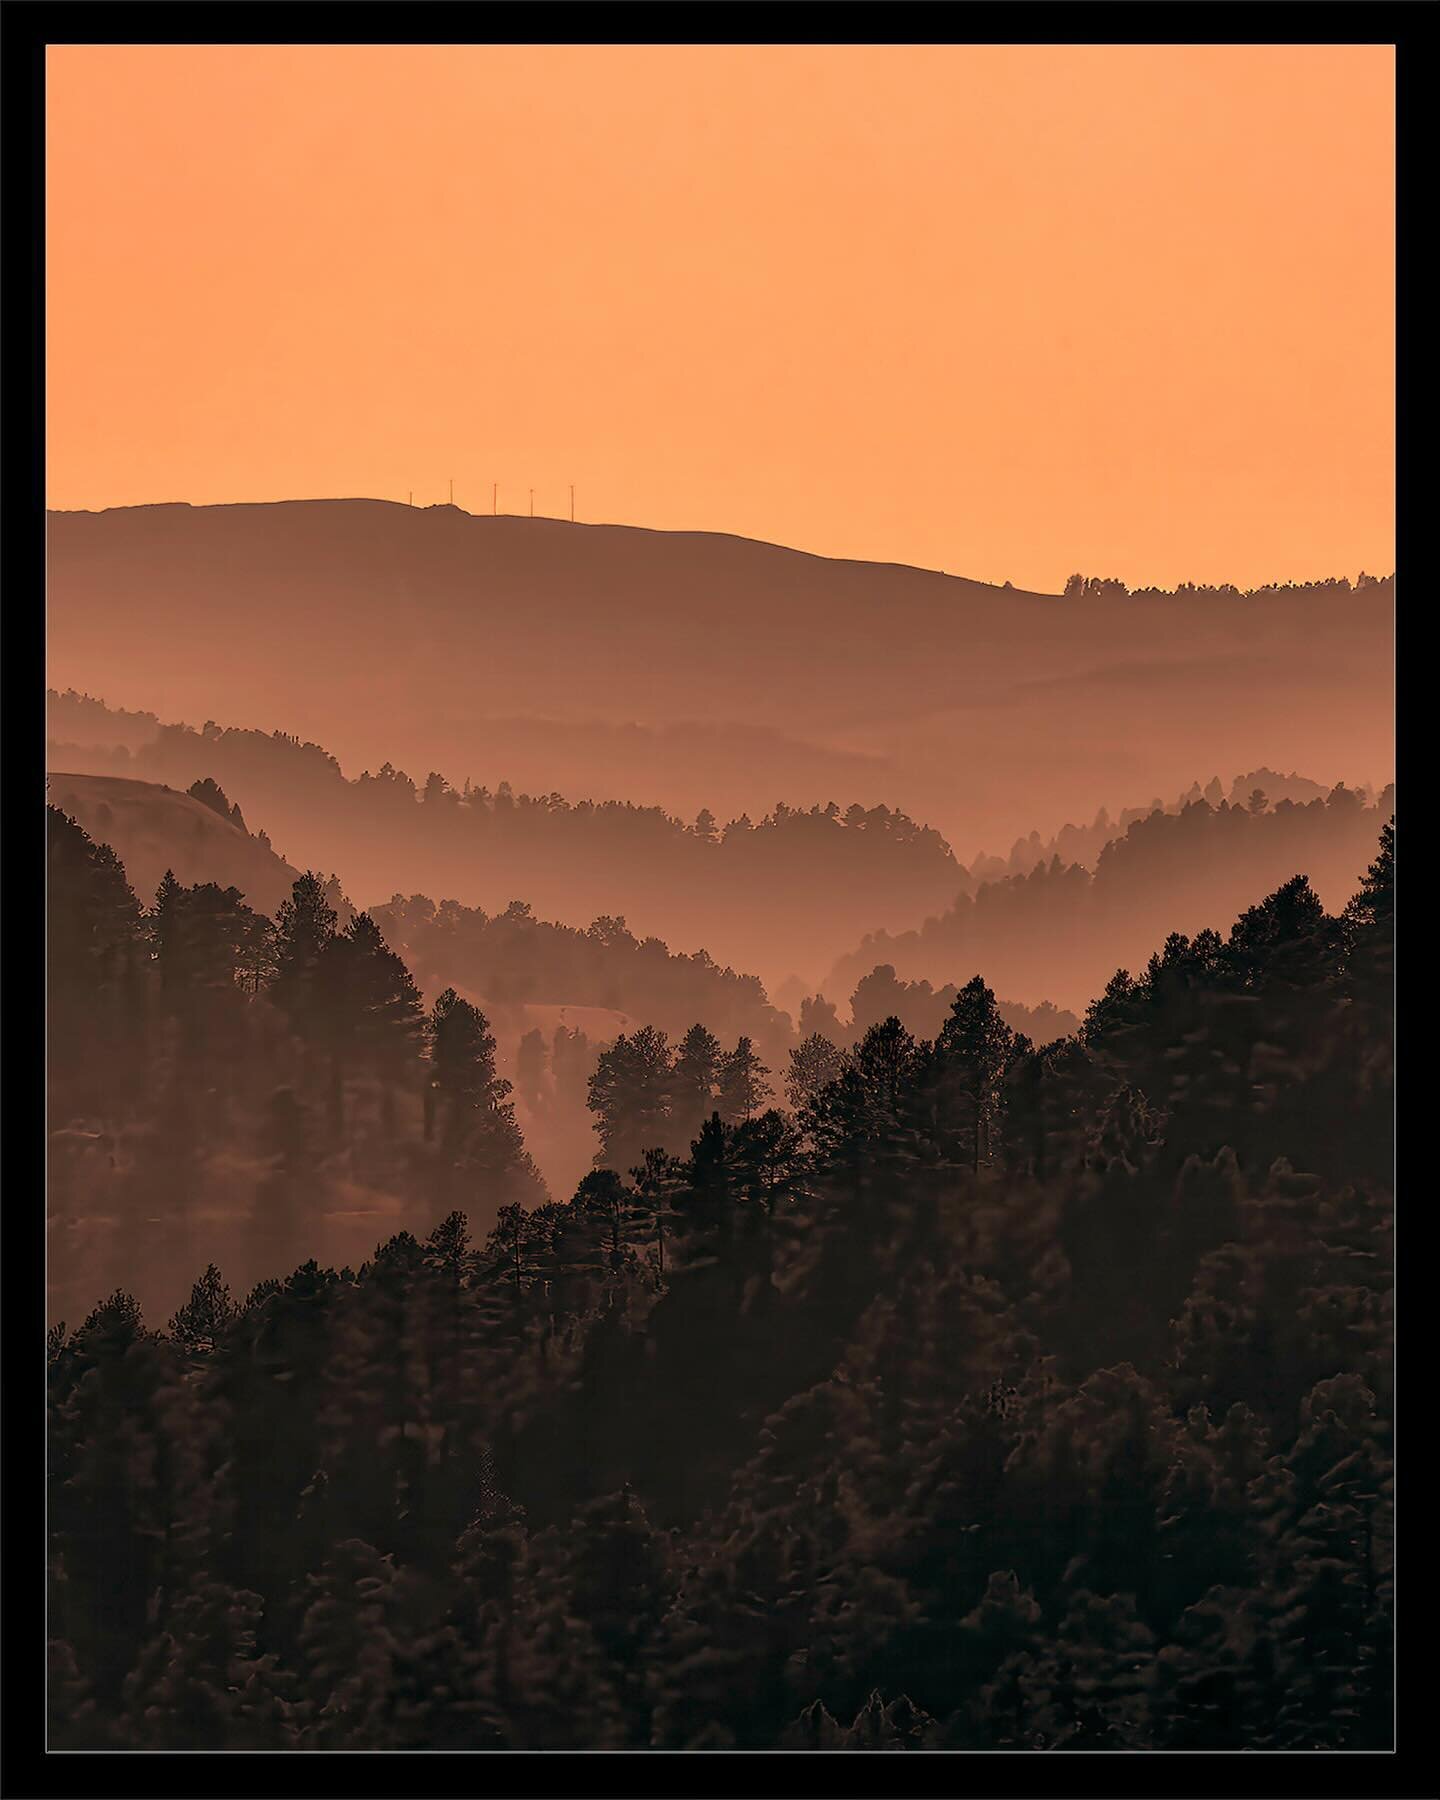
x=430 y=636
x=696 y=534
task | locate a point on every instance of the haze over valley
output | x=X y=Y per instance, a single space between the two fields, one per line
x=690 y=670
x=720 y=792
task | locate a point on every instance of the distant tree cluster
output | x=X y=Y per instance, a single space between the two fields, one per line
x=1083 y=843
x=515 y=958
x=210 y=793
x=922 y=1009
x=644 y=1095
x=1096 y=587
x=991 y=1396
x=85 y=721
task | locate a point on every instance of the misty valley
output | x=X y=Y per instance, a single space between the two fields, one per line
x=716 y=968
x=543 y=1270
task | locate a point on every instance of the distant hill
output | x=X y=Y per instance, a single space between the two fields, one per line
x=689 y=669
x=1084 y=844
x=153 y=828
x=1061 y=931
x=785 y=892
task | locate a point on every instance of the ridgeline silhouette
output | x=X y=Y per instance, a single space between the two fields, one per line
x=784 y=896
x=688 y=669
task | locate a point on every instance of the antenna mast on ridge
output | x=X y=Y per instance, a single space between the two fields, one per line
x=494 y=498
x=572 y=502
x=532 y=503
x=452 y=490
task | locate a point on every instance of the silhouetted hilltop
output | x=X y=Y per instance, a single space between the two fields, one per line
x=152 y=828
x=620 y=609
x=658 y=661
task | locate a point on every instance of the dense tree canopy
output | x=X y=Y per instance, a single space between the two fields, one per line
x=1000 y=1395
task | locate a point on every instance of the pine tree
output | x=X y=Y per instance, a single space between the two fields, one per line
x=629 y=1093
x=1375 y=903
x=658 y=1178
x=166 y=933
x=94 y=947
x=692 y=1092
x=742 y=1086
x=607 y=1210
x=201 y=1324
x=462 y=1067
x=814 y=1064
x=1370 y=918
x=972 y=1053
x=514 y=1251
x=304 y=926
x=371 y=1010
x=769 y=1157
x=864 y=1119
x=706 y=1204
x=1287 y=940
x=208 y=946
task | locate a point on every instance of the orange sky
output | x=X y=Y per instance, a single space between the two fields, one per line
x=1007 y=311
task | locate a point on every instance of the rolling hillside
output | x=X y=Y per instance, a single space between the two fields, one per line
x=153 y=828
x=691 y=669
x=786 y=893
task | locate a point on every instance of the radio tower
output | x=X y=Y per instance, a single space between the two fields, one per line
x=452 y=490
x=494 y=498
x=532 y=503
x=572 y=502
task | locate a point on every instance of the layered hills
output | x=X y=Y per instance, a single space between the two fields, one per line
x=693 y=670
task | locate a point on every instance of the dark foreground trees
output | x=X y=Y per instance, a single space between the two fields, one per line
x=1001 y=1397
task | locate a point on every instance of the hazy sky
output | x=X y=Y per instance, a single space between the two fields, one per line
x=1004 y=311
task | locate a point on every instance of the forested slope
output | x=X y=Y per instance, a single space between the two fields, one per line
x=787 y=891
x=992 y=1398
x=1061 y=931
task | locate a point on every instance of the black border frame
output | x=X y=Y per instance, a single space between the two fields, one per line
x=26 y=27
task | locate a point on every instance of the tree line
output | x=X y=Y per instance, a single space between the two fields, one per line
x=1374 y=588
